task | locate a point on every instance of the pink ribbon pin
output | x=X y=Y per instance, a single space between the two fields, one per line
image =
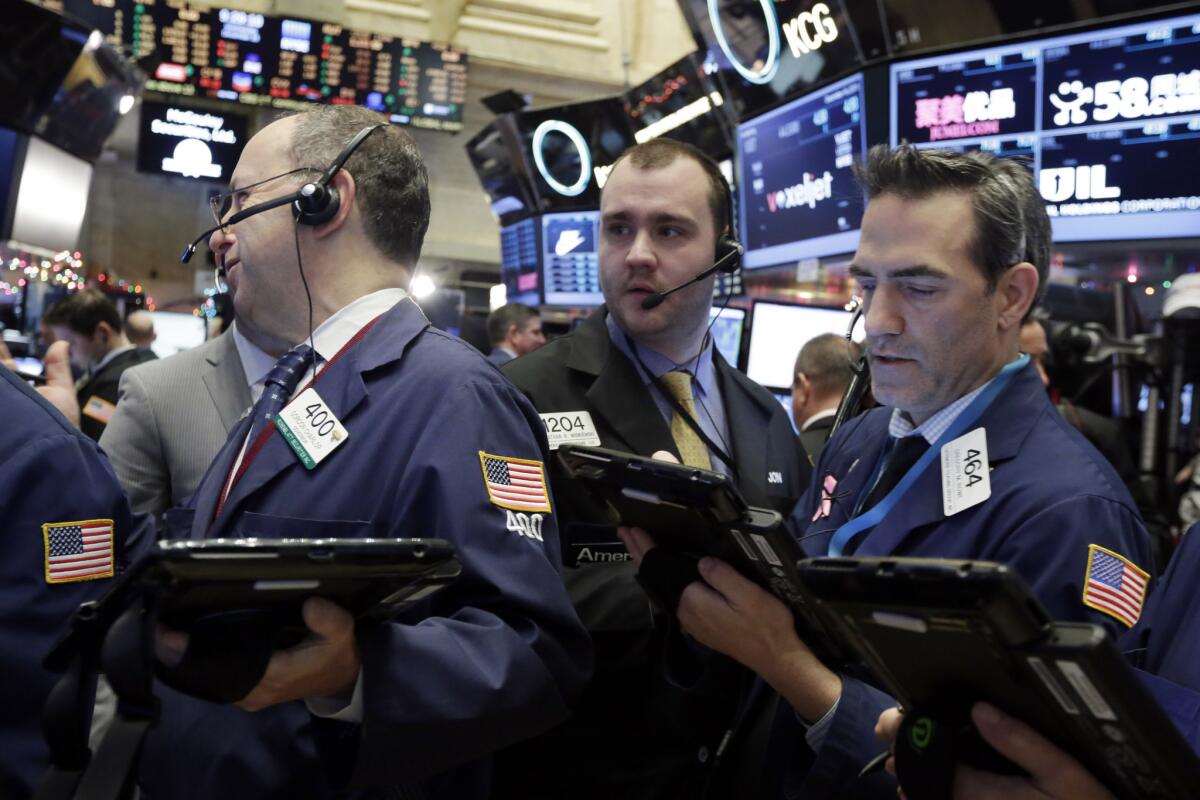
x=826 y=498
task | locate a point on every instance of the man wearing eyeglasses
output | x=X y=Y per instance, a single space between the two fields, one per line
x=429 y=440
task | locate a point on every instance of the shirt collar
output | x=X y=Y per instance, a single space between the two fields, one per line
x=901 y=425
x=700 y=368
x=256 y=362
x=817 y=417
x=334 y=333
x=108 y=357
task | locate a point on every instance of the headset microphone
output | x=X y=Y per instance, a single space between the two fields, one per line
x=730 y=255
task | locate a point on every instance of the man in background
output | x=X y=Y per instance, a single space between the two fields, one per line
x=514 y=330
x=90 y=323
x=823 y=370
x=139 y=327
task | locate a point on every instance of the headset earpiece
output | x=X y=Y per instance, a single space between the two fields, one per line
x=728 y=247
x=316 y=204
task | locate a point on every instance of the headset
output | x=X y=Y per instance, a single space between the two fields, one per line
x=315 y=203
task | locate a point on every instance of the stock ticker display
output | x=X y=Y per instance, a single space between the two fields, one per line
x=283 y=62
x=1109 y=120
x=797 y=193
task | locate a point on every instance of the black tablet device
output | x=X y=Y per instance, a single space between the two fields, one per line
x=940 y=635
x=374 y=579
x=698 y=513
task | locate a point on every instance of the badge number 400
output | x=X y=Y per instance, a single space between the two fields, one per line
x=527 y=525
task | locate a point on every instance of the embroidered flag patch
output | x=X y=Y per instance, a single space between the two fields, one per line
x=826 y=506
x=515 y=483
x=78 y=551
x=1114 y=585
x=99 y=409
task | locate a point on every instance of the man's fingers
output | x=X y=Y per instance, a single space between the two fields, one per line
x=888 y=726
x=6 y=357
x=636 y=541
x=665 y=455
x=327 y=619
x=58 y=365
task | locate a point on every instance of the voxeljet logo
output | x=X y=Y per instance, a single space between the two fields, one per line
x=809 y=193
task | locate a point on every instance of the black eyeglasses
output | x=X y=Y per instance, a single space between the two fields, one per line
x=222 y=204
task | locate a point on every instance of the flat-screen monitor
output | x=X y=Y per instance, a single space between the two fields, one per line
x=175 y=332
x=681 y=103
x=571 y=259
x=520 y=247
x=796 y=193
x=778 y=331
x=187 y=142
x=568 y=150
x=497 y=162
x=766 y=51
x=1108 y=120
x=51 y=194
x=726 y=326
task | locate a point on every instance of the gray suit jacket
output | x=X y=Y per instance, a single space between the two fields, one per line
x=172 y=417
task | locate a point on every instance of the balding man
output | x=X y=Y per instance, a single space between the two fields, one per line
x=139 y=327
x=823 y=371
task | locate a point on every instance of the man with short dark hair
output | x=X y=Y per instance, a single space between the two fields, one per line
x=425 y=441
x=514 y=330
x=824 y=367
x=644 y=380
x=966 y=459
x=90 y=323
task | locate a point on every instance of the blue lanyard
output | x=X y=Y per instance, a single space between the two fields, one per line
x=969 y=416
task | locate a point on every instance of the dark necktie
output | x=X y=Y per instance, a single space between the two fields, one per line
x=904 y=453
x=280 y=382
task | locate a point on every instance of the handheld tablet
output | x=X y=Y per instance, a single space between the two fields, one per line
x=940 y=635
x=372 y=578
x=697 y=513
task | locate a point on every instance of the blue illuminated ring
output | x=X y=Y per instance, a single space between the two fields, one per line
x=585 y=156
x=772 y=66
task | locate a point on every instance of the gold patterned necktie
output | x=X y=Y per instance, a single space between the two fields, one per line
x=691 y=447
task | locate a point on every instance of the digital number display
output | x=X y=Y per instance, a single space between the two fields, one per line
x=1107 y=119
x=284 y=62
x=797 y=193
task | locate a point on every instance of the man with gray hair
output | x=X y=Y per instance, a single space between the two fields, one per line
x=823 y=370
x=966 y=458
x=321 y=231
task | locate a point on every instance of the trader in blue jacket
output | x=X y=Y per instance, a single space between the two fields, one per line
x=967 y=458
x=67 y=531
x=428 y=441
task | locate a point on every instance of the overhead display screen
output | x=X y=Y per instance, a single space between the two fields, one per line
x=497 y=165
x=569 y=150
x=192 y=143
x=681 y=103
x=283 y=62
x=765 y=51
x=797 y=193
x=1107 y=119
x=778 y=331
x=570 y=259
x=520 y=245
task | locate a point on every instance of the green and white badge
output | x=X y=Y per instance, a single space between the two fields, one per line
x=310 y=428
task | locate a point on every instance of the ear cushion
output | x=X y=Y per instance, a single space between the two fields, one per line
x=317 y=205
x=725 y=246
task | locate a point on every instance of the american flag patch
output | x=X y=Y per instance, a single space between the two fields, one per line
x=1114 y=585
x=78 y=551
x=515 y=482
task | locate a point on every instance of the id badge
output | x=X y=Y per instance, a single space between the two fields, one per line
x=310 y=428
